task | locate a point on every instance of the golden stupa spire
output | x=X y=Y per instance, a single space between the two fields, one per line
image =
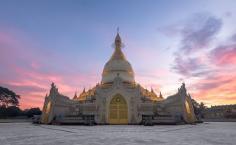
x=118 y=42
x=118 y=54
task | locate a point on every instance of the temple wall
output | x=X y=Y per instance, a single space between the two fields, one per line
x=62 y=106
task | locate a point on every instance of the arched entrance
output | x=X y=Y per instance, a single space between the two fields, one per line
x=118 y=110
x=189 y=113
x=46 y=112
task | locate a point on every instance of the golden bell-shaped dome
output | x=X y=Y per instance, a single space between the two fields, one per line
x=117 y=65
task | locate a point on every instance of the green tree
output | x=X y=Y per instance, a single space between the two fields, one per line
x=199 y=108
x=8 y=97
x=202 y=106
x=32 y=111
x=11 y=111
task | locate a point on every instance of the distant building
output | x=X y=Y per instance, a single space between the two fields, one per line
x=220 y=112
x=118 y=99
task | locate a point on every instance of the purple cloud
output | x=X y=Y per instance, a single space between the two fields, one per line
x=196 y=34
x=234 y=38
x=189 y=67
x=199 y=32
x=212 y=82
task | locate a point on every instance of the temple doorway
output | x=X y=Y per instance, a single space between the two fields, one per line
x=118 y=110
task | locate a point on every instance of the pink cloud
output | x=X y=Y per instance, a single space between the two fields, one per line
x=25 y=73
x=224 y=55
x=34 y=84
x=218 y=89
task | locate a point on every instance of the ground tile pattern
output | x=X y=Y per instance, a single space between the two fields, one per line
x=214 y=133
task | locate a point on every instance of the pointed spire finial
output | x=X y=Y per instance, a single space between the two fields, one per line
x=160 y=95
x=75 y=96
x=118 y=30
x=118 y=54
x=118 y=42
x=53 y=89
x=52 y=84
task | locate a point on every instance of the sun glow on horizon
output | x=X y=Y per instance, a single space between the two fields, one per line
x=69 y=44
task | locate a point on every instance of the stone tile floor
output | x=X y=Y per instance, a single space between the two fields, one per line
x=209 y=133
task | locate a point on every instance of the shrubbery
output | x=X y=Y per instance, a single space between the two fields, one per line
x=13 y=111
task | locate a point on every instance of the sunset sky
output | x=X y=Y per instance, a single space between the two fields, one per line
x=167 y=42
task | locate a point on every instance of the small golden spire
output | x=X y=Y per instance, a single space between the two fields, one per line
x=84 y=90
x=75 y=96
x=160 y=95
x=118 y=54
x=118 y=42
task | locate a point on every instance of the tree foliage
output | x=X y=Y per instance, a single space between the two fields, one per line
x=198 y=108
x=9 y=105
x=14 y=111
x=11 y=111
x=9 y=102
x=33 y=111
x=8 y=97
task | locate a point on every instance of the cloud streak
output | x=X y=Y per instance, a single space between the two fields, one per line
x=196 y=35
x=207 y=65
x=218 y=89
x=199 y=32
x=25 y=72
x=224 y=55
x=189 y=67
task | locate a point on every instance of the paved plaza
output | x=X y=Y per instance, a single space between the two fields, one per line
x=213 y=133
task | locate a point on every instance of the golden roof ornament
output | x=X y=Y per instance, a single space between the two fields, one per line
x=160 y=95
x=75 y=96
x=118 y=54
